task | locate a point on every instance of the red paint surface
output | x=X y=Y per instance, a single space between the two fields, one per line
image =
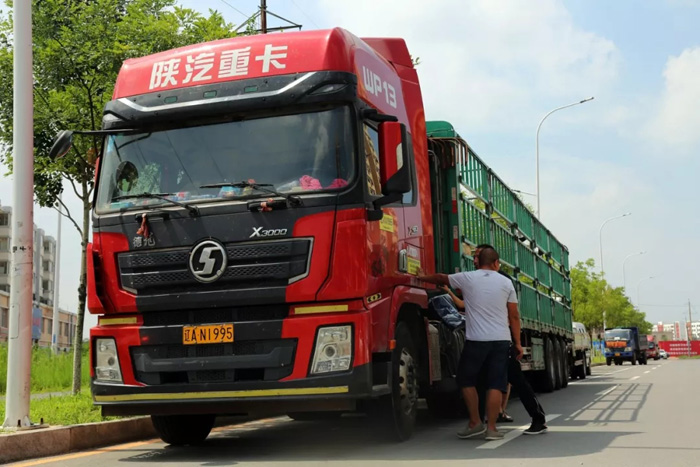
x=678 y=348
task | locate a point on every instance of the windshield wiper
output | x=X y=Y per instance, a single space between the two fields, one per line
x=194 y=211
x=291 y=199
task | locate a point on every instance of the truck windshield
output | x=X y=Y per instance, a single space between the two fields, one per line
x=619 y=334
x=300 y=153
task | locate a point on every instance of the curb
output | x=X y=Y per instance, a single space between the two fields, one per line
x=54 y=441
x=63 y=439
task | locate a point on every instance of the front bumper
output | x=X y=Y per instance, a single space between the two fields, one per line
x=289 y=390
x=619 y=354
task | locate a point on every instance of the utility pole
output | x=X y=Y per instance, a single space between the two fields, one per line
x=263 y=16
x=690 y=328
x=20 y=332
x=55 y=328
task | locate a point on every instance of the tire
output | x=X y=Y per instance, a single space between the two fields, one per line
x=588 y=366
x=399 y=409
x=563 y=364
x=549 y=378
x=634 y=359
x=447 y=405
x=313 y=416
x=608 y=361
x=179 y=430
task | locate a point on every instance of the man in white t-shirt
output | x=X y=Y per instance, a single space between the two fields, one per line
x=489 y=329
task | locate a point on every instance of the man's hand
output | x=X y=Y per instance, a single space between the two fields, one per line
x=519 y=352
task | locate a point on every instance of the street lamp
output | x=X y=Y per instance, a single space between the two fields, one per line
x=537 y=146
x=640 y=283
x=624 y=271
x=600 y=236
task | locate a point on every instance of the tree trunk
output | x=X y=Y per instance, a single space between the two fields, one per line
x=82 y=294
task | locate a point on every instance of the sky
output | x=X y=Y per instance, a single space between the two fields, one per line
x=495 y=68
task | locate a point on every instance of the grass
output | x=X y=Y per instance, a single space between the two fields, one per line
x=598 y=359
x=50 y=373
x=686 y=357
x=63 y=410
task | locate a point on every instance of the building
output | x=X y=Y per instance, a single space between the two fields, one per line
x=43 y=286
x=677 y=331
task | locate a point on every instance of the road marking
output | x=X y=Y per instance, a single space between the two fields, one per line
x=633 y=378
x=606 y=392
x=78 y=455
x=511 y=435
x=648 y=371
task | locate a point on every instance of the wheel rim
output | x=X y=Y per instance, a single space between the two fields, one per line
x=408 y=386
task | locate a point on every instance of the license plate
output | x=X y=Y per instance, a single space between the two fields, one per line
x=209 y=334
x=617 y=354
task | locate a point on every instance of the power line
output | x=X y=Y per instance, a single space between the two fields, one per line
x=239 y=11
x=304 y=13
x=667 y=306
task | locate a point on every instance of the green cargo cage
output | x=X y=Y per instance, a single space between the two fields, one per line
x=472 y=205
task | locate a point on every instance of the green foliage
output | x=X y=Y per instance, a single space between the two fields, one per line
x=591 y=294
x=50 y=373
x=64 y=410
x=79 y=48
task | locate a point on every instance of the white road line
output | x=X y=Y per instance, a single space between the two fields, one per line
x=648 y=371
x=606 y=392
x=633 y=378
x=511 y=435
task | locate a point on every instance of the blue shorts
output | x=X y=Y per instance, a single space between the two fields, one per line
x=491 y=357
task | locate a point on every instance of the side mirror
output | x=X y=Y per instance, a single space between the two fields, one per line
x=395 y=167
x=61 y=145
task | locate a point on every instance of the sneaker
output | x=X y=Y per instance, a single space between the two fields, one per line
x=504 y=418
x=467 y=432
x=536 y=429
x=494 y=435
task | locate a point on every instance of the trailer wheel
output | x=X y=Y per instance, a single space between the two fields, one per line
x=588 y=366
x=180 y=430
x=449 y=405
x=563 y=363
x=549 y=378
x=398 y=410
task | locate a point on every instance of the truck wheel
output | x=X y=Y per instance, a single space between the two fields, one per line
x=588 y=366
x=549 y=378
x=180 y=430
x=402 y=404
x=563 y=364
x=608 y=361
x=634 y=359
x=447 y=405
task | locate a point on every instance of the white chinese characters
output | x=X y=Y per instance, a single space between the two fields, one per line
x=200 y=67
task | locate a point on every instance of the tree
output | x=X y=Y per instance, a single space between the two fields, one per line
x=591 y=294
x=79 y=47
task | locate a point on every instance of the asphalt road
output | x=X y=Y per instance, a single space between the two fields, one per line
x=629 y=415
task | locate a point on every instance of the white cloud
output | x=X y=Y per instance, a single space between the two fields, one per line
x=486 y=63
x=678 y=119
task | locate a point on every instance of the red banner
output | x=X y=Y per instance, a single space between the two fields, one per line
x=678 y=348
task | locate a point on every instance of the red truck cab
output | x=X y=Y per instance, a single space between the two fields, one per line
x=262 y=208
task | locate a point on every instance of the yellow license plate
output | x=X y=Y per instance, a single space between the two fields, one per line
x=209 y=334
x=617 y=354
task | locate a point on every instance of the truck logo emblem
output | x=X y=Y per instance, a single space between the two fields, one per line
x=208 y=261
x=259 y=232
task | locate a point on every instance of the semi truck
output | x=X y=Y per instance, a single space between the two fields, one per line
x=263 y=206
x=624 y=344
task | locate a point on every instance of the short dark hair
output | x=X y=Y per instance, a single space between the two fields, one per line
x=484 y=245
x=488 y=256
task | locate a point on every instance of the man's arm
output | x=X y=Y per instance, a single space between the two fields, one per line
x=437 y=279
x=514 y=321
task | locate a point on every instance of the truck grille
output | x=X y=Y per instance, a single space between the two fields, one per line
x=259 y=360
x=216 y=315
x=272 y=263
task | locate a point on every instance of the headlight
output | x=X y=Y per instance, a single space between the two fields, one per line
x=107 y=361
x=333 y=349
x=628 y=349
